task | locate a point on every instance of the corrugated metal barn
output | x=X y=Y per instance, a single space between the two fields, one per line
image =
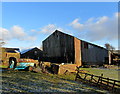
x=33 y=53
x=63 y=48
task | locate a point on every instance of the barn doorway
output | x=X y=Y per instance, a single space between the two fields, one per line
x=12 y=62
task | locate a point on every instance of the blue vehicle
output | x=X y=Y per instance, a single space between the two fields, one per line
x=23 y=64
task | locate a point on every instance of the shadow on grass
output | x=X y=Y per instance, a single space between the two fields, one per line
x=21 y=81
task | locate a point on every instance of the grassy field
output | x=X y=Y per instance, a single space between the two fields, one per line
x=23 y=81
x=108 y=73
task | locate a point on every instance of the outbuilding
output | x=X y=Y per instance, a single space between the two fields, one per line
x=33 y=53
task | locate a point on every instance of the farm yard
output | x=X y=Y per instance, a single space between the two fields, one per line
x=53 y=69
x=59 y=47
x=24 y=81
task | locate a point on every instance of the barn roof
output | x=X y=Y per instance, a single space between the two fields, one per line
x=26 y=50
x=75 y=37
x=12 y=50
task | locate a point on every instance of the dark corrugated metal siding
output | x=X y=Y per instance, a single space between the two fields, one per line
x=51 y=46
x=59 y=47
x=92 y=55
x=33 y=53
x=67 y=47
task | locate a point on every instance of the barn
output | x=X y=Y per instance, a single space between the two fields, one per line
x=33 y=53
x=63 y=48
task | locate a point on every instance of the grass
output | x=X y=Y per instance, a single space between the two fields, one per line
x=22 y=81
x=107 y=73
x=3 y=66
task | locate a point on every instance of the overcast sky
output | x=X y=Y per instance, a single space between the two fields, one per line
x=27 y=24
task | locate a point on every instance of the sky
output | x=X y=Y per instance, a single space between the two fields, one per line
x=27 y=24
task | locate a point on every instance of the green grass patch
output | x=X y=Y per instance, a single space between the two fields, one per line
x=107 y=73
x=3 y=66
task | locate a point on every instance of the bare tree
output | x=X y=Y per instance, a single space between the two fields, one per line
x=109 y=47
x=2 y=42
x=112 y=48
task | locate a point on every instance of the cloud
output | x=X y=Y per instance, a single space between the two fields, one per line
x=76 y=25
x=50 y=28
x=33 y=30
x=96 y=29
x=16 y=32
x=5 y=34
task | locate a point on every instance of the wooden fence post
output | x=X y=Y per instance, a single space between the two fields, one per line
x=85 y=76
x=91 y=77
x=113 y=85
x=77 y=75
x=98 y=80
x=107 y=81
x=101 y=78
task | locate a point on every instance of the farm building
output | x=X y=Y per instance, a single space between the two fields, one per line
x=7 y=55
x=33 y=53
x=63 y=48
x=115 y=57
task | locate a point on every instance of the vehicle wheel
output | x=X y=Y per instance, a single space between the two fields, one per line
x=30 y=68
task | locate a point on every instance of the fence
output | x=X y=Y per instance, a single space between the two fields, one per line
x=98 y=80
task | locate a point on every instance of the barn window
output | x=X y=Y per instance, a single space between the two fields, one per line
x=90 y=46
x=35 y=52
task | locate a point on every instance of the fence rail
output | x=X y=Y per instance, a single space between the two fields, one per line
x=98 y=80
